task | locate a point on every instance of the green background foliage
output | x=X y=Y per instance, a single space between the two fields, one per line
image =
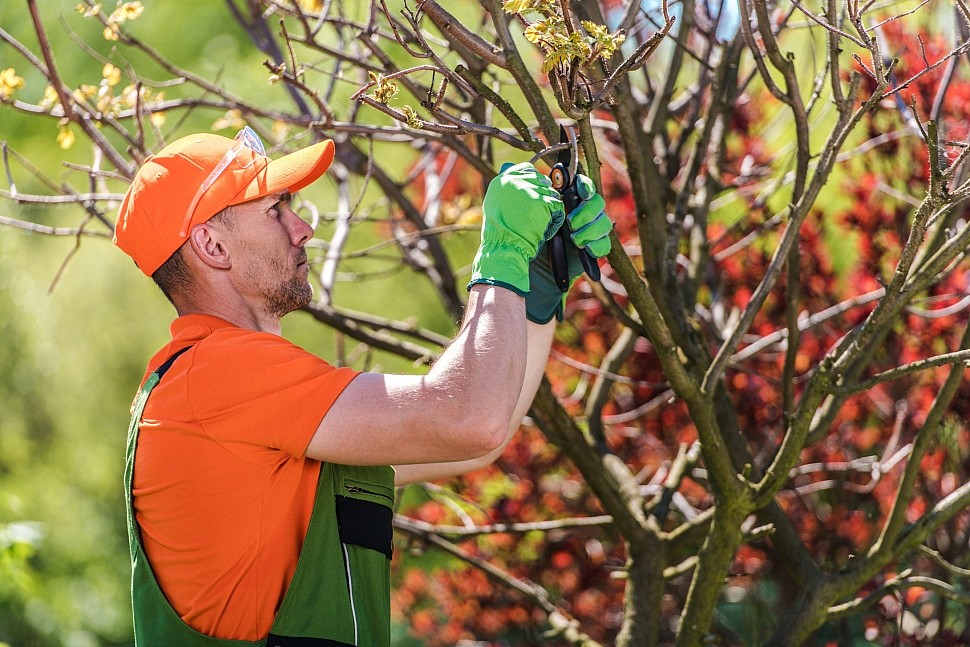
x=78 y=322
x=70 y=359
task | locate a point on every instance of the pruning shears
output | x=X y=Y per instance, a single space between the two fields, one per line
x=563 y=177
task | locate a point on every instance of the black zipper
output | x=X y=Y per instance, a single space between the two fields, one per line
x=356 y=489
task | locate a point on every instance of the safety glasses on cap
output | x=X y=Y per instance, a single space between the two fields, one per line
x=245 y=138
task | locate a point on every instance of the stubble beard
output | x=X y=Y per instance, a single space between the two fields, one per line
x=289 y=296
x=292 y=293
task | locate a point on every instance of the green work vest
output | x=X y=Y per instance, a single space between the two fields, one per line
x=340 y=592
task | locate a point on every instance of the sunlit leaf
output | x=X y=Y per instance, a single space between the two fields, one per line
x=50 y=98
x=132 y=10
x=9 y=83
x=516 y=6
x=232 y=120
x=111 y=74
x=545 y=7
x=412 y=117
x=87 y=12
x=384 y=88
x=601 y=41
x=85 y=92
x=65 y=137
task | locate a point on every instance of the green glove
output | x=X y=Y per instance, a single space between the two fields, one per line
x=520 y=212
x=589 y=228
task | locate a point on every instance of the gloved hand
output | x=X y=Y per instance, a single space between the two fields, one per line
x=520 y=212
x=589 y=227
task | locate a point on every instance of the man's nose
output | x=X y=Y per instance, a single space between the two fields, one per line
x=300 y=230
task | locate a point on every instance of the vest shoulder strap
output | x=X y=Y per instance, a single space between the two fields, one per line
x=167 y=364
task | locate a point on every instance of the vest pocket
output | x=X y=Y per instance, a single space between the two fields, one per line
x=365 y=523
x=340 y=593
x=364 y=520
x=364 y=514
x=367 y=491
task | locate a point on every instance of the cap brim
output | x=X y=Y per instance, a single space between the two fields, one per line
x=293 y=172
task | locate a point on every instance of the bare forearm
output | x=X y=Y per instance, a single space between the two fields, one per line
x=459 y=410
x=482 y=370
x=539 y=341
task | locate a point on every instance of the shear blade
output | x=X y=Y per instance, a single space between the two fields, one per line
x=565 y=154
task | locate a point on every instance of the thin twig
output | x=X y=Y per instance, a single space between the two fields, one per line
x=904 y=581
x=898 y=16
x=568 y=627
x=65 y=99
x=512 y=528
x=636 y=59
x=74 y=198
x=6 y=168
x=455 y=31
x=51 y=231
x=962 y=49
x=832 y=28
x=943 y=563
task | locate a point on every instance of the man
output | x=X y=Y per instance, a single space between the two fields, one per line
x=260 y=494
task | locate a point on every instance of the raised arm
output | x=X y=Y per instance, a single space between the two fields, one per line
x=589 y=229
x=459 y=410
x=462 y=408
x=539 y=340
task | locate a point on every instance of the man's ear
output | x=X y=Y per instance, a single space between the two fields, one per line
x=210 y=245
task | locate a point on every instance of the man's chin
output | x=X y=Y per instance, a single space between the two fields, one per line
x=309 y=296
x=304 y=297
x=290 y=297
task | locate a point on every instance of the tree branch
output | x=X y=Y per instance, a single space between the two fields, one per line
x=565 y=626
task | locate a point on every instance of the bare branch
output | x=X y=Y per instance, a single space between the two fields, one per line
x=453 y=29
x=959 y=51
x=66 y=101
x=807 y=323
x=832 y=28
x=897 y=583
x=900 y=371
x=636 y=59
x=612 y=362
x=375 y=338
x=514 y=528
x=943 y=563
x=567 y=627
x=51 y=231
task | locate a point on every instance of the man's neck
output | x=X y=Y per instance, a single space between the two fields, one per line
x=235 y=312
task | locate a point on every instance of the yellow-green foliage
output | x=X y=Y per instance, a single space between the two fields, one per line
x=564 y=46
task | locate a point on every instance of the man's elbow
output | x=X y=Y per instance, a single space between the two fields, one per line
x=482 y=431
x=472 y=421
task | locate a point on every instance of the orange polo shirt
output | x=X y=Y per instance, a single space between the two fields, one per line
x=222 y=490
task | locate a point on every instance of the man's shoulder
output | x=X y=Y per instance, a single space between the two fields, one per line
x=240 y=359
x=252 y=345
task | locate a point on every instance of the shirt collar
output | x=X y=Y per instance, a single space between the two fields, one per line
x=195 y=327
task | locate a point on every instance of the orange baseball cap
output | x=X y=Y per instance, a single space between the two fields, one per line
x=167 y=196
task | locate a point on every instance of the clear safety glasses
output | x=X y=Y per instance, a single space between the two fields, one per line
x=245 y=138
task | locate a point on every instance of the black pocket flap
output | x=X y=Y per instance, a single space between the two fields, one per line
x=365 y=523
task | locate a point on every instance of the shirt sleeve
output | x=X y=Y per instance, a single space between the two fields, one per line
x=259 y=389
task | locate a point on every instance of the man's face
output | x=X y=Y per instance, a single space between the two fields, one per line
x=268 y=241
